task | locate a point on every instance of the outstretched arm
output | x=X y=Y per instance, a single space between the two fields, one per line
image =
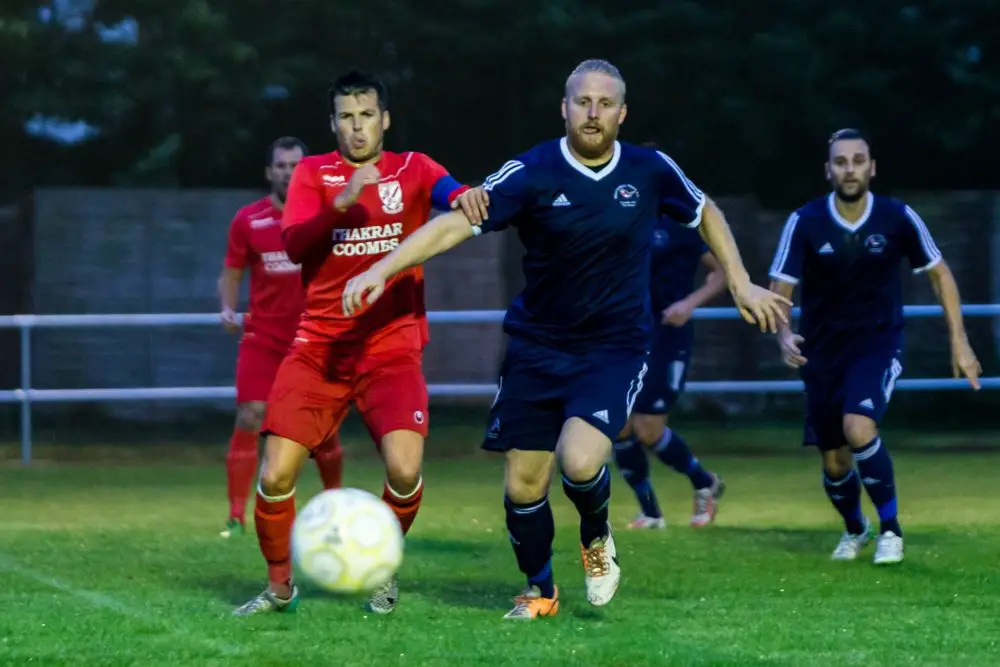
x=434 y=238
x=963 y=358
x=757 y=305
x=718 y=237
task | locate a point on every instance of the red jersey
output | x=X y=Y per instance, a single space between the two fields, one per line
x=276 y=295
x=340 y=246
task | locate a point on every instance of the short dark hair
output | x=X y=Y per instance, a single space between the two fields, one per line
x=358 y=82
x=845 y=134
x=285 y=144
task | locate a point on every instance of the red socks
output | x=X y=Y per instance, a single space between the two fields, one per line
x=405 y=507
x=274 y=517
x=241 y=468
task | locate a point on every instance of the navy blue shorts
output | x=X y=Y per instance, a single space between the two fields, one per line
x=669 y=357
x=859 y=386
x=540 y=388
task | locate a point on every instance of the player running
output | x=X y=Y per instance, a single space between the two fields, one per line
x=584 y=207
x=845 y=250
x=345 y=210
x=677 y=253
x=276 y=302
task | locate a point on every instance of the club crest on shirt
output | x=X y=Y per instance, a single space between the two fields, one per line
x=876 y=244
x=391 y=194
x=627 y=195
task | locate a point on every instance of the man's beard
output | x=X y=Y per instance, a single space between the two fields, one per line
x=591 y=146
x=851 y=198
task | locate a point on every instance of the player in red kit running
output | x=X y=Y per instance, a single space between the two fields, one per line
x=276 y=303
x=345 y=211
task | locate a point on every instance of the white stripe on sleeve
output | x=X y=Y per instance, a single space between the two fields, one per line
x=927 y=244
x=784 y=250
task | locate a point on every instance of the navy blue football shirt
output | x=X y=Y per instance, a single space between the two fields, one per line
x=850 y=273
x=587 y=235
x=677 y=253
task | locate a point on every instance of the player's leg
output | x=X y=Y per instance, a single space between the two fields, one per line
x=633 y=463
x=868 y=388
x=672 y=450
x=670 y=447
x=304 y=410
x=840 y=480
x=256 y=366
x=329 y=458
x=531 y=529
x=273 y=517
x=241 y=463
x=392 y=399
x=630 y=454
x=524 y=423
x=598 y=403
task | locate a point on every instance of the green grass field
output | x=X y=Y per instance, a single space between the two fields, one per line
x=121 y=565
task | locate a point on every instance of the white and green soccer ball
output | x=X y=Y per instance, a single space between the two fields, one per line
x=347 y=541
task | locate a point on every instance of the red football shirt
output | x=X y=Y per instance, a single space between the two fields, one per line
x=349 y=243
x=276 y=295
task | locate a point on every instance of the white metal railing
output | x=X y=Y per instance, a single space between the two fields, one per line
x=26 y=395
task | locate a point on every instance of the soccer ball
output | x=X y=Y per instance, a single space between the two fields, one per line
x=347 y=541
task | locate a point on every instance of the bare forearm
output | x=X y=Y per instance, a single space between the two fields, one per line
x=718 y=236
x=436 y=237
x=715 y=284
x=229 y=291
x=786 y=290
x=946 y=289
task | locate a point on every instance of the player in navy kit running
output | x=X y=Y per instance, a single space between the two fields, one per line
x=677 y=254
x=845 y=251
x=584 y=207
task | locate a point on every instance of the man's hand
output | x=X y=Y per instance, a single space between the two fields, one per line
x=964 y=362
x=789 y=341
x=370 y=284
x=230 y=320
x=677 y=314
x=366 y=175
x=760 y=306
x=474 y=203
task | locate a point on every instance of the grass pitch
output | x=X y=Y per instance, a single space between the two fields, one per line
x=123 y=565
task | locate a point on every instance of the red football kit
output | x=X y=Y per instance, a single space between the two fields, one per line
x=276 y=297
x=373 y=359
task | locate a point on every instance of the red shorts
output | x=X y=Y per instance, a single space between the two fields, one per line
x=256 y=367
x=309 y=401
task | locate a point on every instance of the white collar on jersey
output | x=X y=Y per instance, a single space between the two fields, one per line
x=585 y=170
x=831 y=204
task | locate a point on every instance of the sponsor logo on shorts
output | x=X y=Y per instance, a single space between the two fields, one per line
x=418 y=416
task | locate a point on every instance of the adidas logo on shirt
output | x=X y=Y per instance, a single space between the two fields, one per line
x=602 y=415
x=561 y=200
x=827 y=249
x=867 y=403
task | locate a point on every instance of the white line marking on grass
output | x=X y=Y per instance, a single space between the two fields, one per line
x=107 y=602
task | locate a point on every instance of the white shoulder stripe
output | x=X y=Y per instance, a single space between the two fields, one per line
x=784 y=246
x=926 y=240
x=688 y=184
x=502 y=174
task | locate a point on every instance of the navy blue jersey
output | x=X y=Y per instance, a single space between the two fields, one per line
x=677 y=253
x=587 y=235
x=850 y=273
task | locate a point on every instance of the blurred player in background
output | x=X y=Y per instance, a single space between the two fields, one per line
x=845 y=250
x=345 y=210
x=677 y=253
x=276 y=302
x=584 y=207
